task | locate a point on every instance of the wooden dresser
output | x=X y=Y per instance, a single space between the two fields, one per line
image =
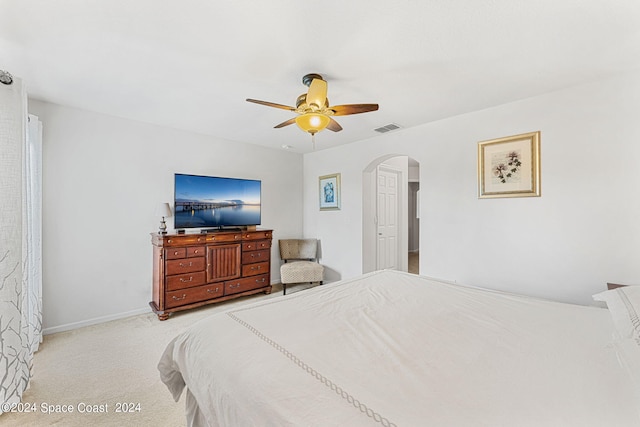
x=191 y=270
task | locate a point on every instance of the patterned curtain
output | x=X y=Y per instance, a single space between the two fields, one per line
x=20 y=237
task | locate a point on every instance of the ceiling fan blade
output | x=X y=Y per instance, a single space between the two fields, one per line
x=333 y=125
x=344 y=110
x=317 y=93
x=271 y=104
x=287 y=123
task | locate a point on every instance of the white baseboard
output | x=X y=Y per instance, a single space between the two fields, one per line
x=94 y=321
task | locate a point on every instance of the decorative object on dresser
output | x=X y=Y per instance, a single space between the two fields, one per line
x=191 y=270
x=164 y=210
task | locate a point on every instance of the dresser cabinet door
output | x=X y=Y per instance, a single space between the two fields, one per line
x=223 y=262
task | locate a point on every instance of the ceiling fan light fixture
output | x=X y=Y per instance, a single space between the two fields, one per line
x=312 y=122
x=313 y=109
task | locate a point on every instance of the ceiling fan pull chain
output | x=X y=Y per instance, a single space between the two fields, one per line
x=313 y=141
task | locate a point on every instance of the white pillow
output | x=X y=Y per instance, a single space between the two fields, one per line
x=628 y=351
x=624 y=305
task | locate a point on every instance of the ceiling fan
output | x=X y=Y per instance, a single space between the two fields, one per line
x=314 y=112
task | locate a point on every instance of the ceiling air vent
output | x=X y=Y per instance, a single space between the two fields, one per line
x=387 y=128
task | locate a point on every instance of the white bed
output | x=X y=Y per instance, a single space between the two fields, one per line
x=395 y=349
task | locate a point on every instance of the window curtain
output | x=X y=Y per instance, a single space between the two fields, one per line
x=20 y=241
x=32 y=238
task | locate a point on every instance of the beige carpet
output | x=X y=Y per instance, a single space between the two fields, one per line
x=108 y=364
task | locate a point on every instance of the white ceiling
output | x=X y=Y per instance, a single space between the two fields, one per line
x=191 y=64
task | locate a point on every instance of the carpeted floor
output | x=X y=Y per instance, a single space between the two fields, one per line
x=107 y=367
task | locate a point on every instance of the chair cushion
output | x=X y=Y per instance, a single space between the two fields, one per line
x=301 y=271
x=298 y=249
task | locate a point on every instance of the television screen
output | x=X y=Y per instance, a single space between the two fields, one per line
x=209 y=201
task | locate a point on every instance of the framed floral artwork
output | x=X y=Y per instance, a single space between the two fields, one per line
x=330 y=192
x=509 y=166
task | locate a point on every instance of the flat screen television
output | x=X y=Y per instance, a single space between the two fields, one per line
x=215 y=202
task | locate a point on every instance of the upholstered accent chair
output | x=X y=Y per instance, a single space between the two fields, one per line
x=301 y=263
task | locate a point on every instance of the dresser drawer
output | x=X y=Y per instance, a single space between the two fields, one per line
x=241 y=285
x=185 y=265
x=226 y=237
x=254 y=269
x=254 y=246
x=256 y=235
x=194 y=251
x=191 y=295
x=175 y=253
x=255 y=256
x=188 y=280
x=184 y=240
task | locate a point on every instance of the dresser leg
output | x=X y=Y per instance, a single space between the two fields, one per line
x=161 y=314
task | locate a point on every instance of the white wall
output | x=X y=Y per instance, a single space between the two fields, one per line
x=102 y=180
x=583 y=232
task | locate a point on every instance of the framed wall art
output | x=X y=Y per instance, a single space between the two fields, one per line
x=509 y=166
x=330 y=192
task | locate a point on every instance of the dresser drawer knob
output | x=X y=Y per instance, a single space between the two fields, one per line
x=237 y=285
x=175 y=298
x=186 y=281
x=185 y=265
x=260 y=280
x=176 y=253
x=209 y=291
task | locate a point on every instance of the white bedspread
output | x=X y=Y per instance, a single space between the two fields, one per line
x=391 y=348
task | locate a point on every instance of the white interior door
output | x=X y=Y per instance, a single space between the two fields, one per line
x=387 y=218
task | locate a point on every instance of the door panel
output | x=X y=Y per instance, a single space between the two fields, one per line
x=387 y=215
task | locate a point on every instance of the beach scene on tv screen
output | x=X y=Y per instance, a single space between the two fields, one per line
x=203 y=201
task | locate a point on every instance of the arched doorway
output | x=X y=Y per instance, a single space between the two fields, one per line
x=390 y=225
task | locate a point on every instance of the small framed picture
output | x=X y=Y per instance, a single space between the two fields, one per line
x=329 y=192
x=509 y=166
